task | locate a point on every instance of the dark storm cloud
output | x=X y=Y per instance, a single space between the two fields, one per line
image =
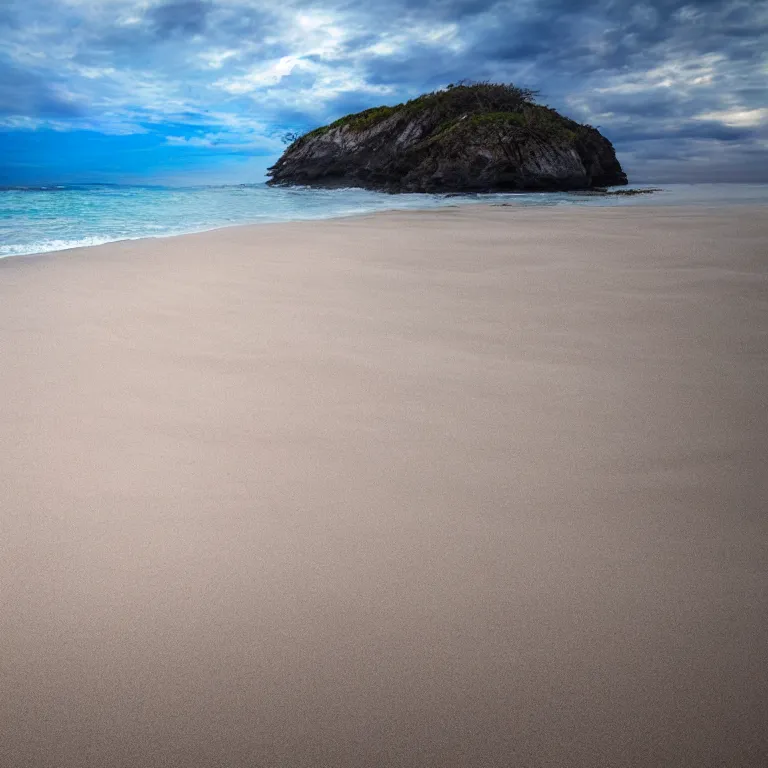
x=25 y=93
x=162 y=23
x=694 y=130
x=187 y=17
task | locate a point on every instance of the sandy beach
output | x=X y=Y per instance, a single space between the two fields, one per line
x=477 y=486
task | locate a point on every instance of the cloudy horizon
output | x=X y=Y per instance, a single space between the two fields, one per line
x=192 y=91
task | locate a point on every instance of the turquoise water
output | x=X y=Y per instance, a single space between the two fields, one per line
x=35 y=220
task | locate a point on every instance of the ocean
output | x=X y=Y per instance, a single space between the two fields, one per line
x=41 y=219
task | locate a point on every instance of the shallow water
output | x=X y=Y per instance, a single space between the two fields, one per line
x=34 y=220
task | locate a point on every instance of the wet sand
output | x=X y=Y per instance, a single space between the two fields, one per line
x=471 y=487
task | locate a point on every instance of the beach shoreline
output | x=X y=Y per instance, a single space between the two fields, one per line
x=470 y=486
x=545 y=209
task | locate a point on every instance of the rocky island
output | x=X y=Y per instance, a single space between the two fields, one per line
x=481 y=137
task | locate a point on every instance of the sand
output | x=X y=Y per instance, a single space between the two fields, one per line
x=471 y=487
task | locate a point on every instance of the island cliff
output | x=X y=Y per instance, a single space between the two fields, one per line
x=466 y=138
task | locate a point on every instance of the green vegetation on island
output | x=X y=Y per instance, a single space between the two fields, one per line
x=481 y=136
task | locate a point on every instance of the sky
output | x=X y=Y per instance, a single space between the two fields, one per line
x=202 y=91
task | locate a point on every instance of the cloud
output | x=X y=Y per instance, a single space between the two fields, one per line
x=27 y=93
x=227 y=76
x=255 y=143
x=738 y=118
x=184 y=17
x=262 y=76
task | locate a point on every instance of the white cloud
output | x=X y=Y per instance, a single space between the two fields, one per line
x=215 y=59
x=107 y=125
x=93 y=73
x=242 y=141
x=737 y=118
x=259 y=77
x=677 y=74
x=192 y=141
x=446 y=36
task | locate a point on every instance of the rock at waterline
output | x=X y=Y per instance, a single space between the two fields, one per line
x=468 y=138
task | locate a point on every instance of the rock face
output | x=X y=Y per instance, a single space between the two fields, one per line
x=476 y=138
